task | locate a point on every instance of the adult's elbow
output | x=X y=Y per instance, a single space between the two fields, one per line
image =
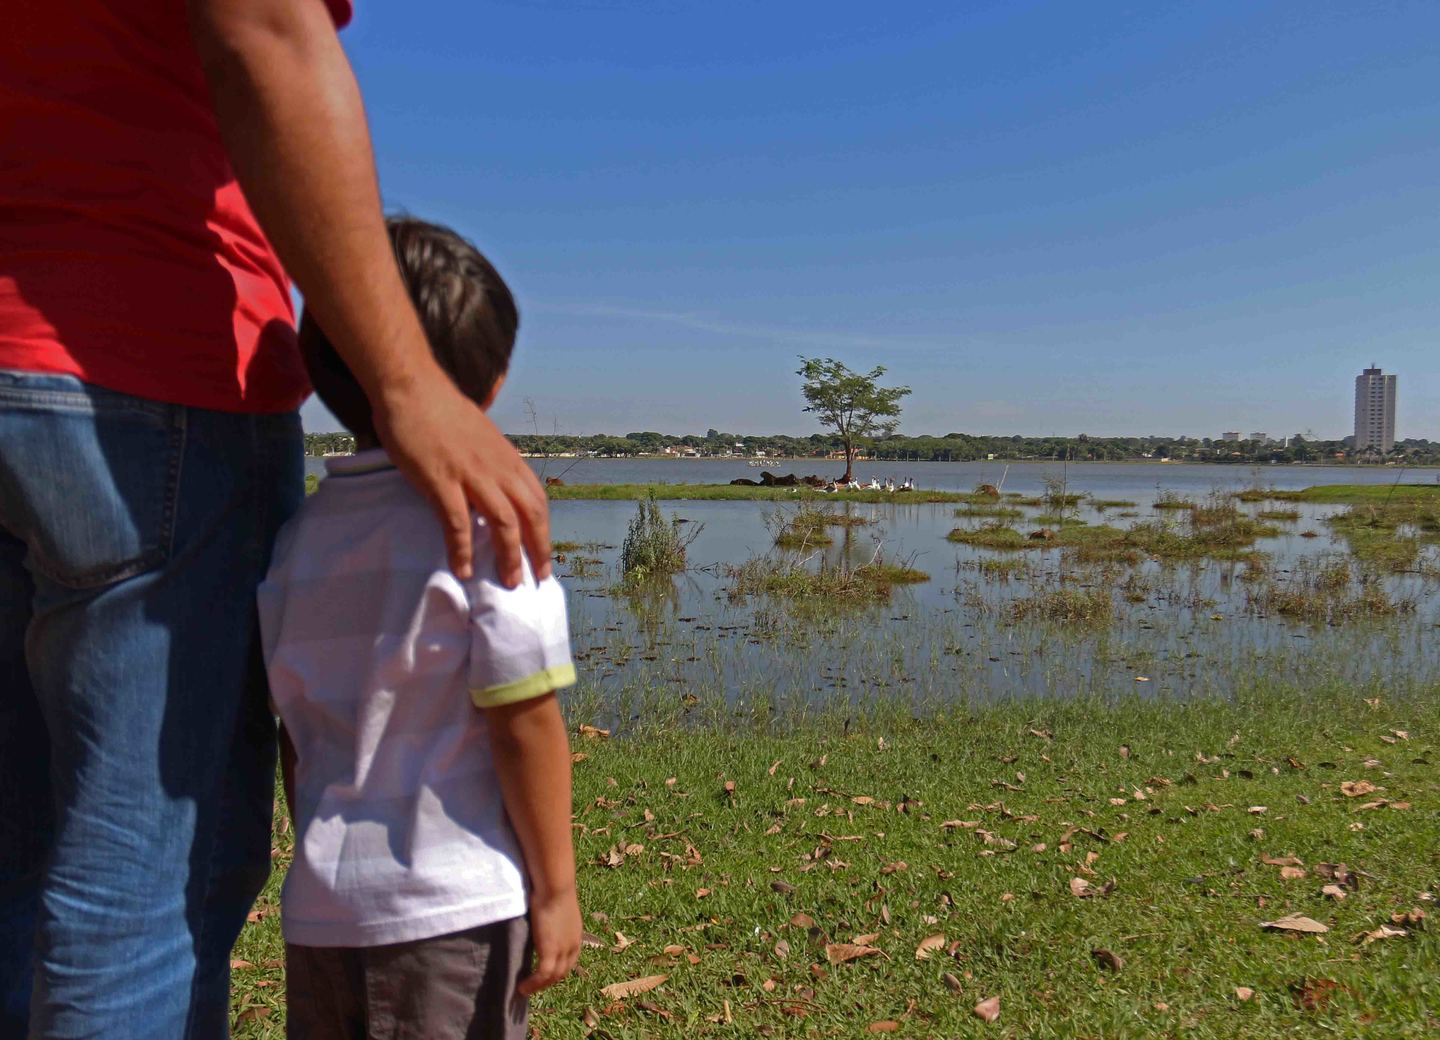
x=234 y=36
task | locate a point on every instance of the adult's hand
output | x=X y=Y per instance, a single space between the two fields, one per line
x=460 y=460
x=290 y=114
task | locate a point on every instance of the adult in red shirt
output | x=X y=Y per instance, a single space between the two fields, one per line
x=149 y=449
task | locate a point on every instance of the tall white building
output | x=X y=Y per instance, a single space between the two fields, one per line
x=1374 y=411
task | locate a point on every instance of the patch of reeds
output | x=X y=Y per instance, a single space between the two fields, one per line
x=1067 y=603
x=994 y=535
x=807 y=527
x=991 y=511
x=654 y=545
x=1112 y=503
x=1288 y=516
x=791 y=580
x=1171 y=500
x=1328 y=592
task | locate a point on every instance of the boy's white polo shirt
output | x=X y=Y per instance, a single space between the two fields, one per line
x=378 y=657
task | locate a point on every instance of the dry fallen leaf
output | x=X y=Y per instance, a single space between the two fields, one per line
x=1333 y=891
x=952 y=981
x=1295 y=923
x=621 y=990
x=1292 y=873
x=1108 y=959
x=928 y=945
x=1243 y=992
x=1356 y=788
x=888 y=1025
x=840 y=953
x=1385 y=931
x=988 y=1010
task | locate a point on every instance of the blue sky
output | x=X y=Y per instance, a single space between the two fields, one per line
x=1111 y=218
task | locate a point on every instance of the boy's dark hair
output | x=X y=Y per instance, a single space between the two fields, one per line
x=465 y=308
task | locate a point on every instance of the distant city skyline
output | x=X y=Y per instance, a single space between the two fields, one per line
x=1046 y=218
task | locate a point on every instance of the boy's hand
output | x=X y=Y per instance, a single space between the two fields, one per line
x=555 y=931
x=459 y=459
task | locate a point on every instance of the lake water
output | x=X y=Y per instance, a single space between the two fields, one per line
x=1180 y=629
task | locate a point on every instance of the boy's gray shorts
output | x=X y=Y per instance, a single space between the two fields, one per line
x=452 y=987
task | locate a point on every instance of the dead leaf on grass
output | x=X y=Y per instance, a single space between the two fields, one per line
x=841 y=953
x=621 y=990
x=929 y=945
x=1295 y=923
x=888 y=1025
x=1385 y=931
x=1356 y=788
x=1107 y=959
x=1243 y=992
x=988 y=1010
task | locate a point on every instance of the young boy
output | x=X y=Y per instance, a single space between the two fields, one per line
x=430 y=766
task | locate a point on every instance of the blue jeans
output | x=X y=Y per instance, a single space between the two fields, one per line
x=137 y=751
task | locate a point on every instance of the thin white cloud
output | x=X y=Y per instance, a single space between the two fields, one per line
x=702 y=323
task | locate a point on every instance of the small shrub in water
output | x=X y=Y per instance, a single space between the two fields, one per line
x=654 y=546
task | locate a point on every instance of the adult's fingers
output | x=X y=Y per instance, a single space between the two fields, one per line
x=454 y=510
x=504 y=530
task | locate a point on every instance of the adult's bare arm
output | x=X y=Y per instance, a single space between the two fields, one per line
x=291 y=117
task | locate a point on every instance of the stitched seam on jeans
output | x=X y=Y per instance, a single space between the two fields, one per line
x=79 y=402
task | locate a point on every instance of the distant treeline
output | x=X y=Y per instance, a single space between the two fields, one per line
x=953 y=447
x=961 y=447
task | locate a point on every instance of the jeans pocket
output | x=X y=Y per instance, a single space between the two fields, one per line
x=88 y=478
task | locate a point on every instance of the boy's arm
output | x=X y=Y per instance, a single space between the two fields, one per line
x=290 y=115
x=532 y=759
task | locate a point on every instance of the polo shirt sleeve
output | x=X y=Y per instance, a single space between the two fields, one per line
x=520 y=641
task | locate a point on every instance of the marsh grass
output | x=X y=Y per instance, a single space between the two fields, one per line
x=994 y=535
x=991 y=511
x=1112 y=503
x=654 y=546
x=822 y=585
x=1288 y=516
x=1066 y=603
x=807 y=526
x=1328 y=592
x=1171 y=500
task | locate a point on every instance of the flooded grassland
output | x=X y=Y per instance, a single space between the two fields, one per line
x=792 y=609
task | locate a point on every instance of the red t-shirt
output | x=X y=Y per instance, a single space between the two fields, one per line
x=128 y=256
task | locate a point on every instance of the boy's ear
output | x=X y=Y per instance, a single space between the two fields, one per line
x=494 y=392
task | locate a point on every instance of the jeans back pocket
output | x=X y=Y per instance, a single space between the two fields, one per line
x=88 y=478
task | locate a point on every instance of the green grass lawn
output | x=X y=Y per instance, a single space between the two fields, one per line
x=1012 y=843
x=741 y=493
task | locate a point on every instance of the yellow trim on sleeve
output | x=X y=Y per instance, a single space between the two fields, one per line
x=517 y=690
